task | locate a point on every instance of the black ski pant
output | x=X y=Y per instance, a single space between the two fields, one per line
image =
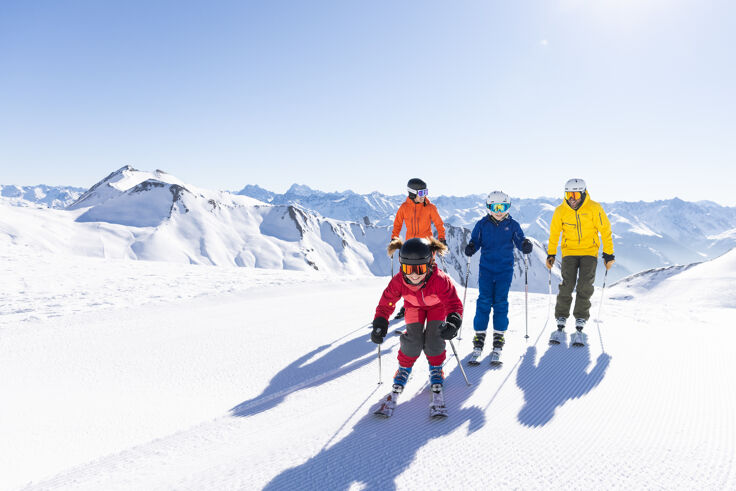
x=578 y=270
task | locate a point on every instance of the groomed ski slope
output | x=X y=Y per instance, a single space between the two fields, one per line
x=256 y=379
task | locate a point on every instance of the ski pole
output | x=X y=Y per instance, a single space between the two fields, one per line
x=526 y=298
x=380 y=378
x=392 y=265
x=603 y=290
x=458 y=362
x=465 y=293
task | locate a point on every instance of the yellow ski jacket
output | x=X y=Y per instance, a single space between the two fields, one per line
x=580 y=229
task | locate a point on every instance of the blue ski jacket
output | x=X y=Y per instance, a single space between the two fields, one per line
x=496 y=242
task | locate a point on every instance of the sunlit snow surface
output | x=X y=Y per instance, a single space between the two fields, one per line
x=120 y=374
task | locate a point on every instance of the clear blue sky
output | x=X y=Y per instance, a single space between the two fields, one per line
x=637 y=97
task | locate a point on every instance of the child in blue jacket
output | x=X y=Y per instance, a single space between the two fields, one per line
x=495 y=235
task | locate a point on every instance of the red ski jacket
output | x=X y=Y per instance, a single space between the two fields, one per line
x=435 y=292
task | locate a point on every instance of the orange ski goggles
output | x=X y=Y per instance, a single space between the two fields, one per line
x=573 y=195
x=413 y=268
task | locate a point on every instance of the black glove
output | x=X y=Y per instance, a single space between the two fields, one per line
x=526 y=246
x=470 y=249
x=550 y=260
x=380 y=328
x=608 y=260
x=451 y=326
x=444 y=242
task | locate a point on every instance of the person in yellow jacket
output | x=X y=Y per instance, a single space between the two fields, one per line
x=418 y=214
x=581 y=221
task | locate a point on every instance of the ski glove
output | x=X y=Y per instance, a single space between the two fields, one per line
x=608 y=260
x=380 y=328
x=470 y=249
x=550 y=260
x=526 y=246
x=451 y=326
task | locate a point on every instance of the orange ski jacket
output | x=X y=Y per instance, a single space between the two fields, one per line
x=418 y=218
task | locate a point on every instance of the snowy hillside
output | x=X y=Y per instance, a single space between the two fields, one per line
x=154 y=216
x=123 y=374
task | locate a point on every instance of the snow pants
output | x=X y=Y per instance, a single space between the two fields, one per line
x=418 y=338
x=580 y=270
x=494 y=294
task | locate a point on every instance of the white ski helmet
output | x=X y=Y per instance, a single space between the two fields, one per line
x=498 y=202
x=575 y=185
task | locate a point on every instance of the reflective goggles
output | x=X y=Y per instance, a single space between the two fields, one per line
x=422 y=192
x=573 y=195
x=499 y=207
x=413 y=268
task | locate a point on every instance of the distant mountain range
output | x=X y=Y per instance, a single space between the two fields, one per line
x=646 y=234
x=155 y=216
x=50 y=196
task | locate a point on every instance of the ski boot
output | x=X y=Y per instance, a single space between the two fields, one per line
x=479 y=340
x=498 y=342
x=400 y=378
x=437 y=407
x=388 y=403
x=578 y=338
x=400 y=313
x=558 y=336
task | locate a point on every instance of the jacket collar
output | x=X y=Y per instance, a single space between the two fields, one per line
x=412 y=202
x=582 y=205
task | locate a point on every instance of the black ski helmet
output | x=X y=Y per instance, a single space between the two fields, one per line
x=415 y=184
x=415 y=251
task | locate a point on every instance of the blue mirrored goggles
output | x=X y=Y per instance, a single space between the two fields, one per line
x=499 y=207
x=422 y=192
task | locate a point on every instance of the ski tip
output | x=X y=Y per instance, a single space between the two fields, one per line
x=473 y=363
x=554 y=343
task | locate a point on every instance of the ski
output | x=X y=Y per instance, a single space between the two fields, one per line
x=387 y=405
x=437 y=408
x=557 y=337
x=578 y=339
x=496 y=357
x=474 y=357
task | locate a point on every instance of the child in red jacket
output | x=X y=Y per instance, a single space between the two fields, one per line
x=429 y=295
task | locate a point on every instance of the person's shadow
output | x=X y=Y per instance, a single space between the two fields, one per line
x=378 y=450
x=561 y=375
x=301 y=374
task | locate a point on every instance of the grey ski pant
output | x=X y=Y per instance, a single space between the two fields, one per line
x=416 y=339
x=580 y=270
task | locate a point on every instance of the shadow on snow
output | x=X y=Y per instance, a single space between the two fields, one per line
x=301 y=374
x=561 y=375
x=378 y=450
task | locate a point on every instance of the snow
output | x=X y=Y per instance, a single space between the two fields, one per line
x=121 y=374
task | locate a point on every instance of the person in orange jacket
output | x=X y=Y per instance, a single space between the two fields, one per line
x=418 y=214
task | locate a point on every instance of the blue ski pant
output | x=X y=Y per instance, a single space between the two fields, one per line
x=494 y=294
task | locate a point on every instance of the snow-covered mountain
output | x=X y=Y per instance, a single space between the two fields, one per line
x=49 y=196
x=646 y=234
x=154 y=216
